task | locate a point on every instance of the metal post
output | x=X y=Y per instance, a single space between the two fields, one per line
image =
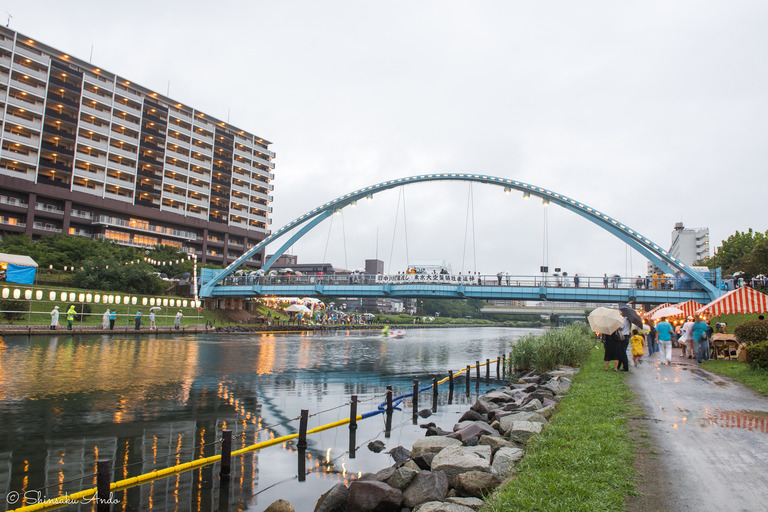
x=388 y=419
x=302 y=444
x=498 y=362
x=226 y=455
x=477 y=374
x=487 y=371
x=389 y=399
x=434 y=394
x=103 y=480
x=352 y=427
x=415 y=401
x=450 y=386
x=469 y=374
x=503 y=365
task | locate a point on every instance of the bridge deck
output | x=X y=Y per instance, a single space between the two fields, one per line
x=448 y=291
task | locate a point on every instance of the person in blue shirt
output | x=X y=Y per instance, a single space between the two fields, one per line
x=665 y=330
x=700 y=340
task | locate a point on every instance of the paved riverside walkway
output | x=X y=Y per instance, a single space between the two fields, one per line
x=711 y=434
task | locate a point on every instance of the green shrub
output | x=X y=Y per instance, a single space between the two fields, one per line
x=752 y=332
x=568 y=346
x=757 y=355
x=13 y=309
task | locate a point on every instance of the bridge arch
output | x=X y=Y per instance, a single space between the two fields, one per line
x=312 y=218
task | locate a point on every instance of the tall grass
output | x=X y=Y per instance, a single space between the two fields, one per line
x=569 y=346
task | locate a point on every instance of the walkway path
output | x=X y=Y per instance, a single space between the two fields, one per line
x=711 y=434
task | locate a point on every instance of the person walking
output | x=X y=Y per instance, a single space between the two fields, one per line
x=699 y=334
x=71 y=312
x=105 y=320
x=137 y=320
x=637 y=346
x=651 y=341
x=54 y=318
x=665 y=330
x=612 y=345
x=112 y=319
x=624 y=332
x=152 y=324
x=686 y=337
x=177 y=320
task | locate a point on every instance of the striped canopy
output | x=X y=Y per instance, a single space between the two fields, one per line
x=650 y=313
x=739 y=301
x=689 y=308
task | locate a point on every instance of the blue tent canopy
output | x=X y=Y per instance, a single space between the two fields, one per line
x=18 y=269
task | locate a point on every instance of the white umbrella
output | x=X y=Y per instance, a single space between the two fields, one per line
x=605 y=320
x=154 y=308
x=668 y=311
x=297 y=308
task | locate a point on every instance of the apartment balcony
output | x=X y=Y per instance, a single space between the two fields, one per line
x=89 y=126
x=5 y=62
x=37 y=92
x=128 y=109
x=263 y=161
x=49 y=208
x=197 y=188
x=130 y=155
x=37 y=108
x=174 y=182
x=30 y=159
x=90 y=95
x=118 y=197
x=122 y=167
x=127 y=122
x=100 y=160
x=35 y=125
x=20 y=50
x=32 y=143
x=13 y=201
x=243 y=189
x=203 y=214
x=202 y=203
x=100 y=114
x=46 y=227
x=101 y=145
x=178 y=198
x=176 y=168
x=261 y=195
x=172 y=153
x=126 y=93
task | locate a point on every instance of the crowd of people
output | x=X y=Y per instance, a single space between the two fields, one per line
x=692 y=337
x=109 y=317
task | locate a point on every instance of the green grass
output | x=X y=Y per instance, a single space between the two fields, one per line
x=583 y=459
x=733 y=321
x=755 y=378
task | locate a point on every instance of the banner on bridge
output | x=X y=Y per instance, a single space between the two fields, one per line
x=426 y=278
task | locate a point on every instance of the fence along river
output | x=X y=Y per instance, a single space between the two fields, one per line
x=154 y=401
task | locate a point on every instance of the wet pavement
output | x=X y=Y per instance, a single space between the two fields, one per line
x=712 y=434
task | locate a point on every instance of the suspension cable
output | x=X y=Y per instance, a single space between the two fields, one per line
x=394 y=232
x=466 y=227
x=474 y=245
x=405 y=228
x=327 y=239
x=344 y=237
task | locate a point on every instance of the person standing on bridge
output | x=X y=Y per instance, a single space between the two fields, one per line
x=605 y=280
x=576 y=280
x=500 y=275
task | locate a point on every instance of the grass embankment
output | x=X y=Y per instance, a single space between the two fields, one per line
x=755 y=378
x=583 y=459
x=442 y=320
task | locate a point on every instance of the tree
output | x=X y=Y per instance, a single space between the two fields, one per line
x=740 y=250
x=12 y=309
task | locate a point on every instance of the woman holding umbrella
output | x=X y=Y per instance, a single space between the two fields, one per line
x=612 y=343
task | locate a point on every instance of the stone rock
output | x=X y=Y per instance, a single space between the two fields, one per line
x=482 y=406
x=425 y=413
x=462 y=424
x=402 y=477
x=498 y=396
x=376 y=446
x=504 y=460
x=496 y=442
x=280 y=506
x=373 y=496
x=426 y=486
x=431 y=424
x=483 y=451
x=559 y=385
x=367 y=477
x=412 y=465
x=474 y=429
x=532 y=405
x=399 y=454
x=506 y=422
x=424 y=460
x=432 y=444
x=548 y=411
x=521 y=431
x=473 y=503
x=334 y=500
x=471 y=415
x=475 y=484
x=531 y=380
x=439 y=506
x=436 y=431
x=385 y=474
x=455 y=460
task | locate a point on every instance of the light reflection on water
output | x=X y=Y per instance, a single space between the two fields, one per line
x=153 y=401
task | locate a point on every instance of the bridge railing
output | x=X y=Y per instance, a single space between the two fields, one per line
x=665 y=283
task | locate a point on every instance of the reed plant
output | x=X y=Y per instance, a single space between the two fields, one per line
x=568 y=346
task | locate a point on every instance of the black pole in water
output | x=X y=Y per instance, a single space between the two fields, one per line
x=388 y=420
x=226 y=455
x=450 y=386
x=103 y=480
x=302 y=445
x=469 y=374
x=487 y=371
x=415 y=401
x=389 y=399
x=352 y=426
x=477 y=375
x=503 y=365
x=434 y=394
x=498 y=362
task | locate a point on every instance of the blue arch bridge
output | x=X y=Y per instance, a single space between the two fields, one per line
x=688 y=283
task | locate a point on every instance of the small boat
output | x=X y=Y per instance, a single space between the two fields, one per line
x=396 y=334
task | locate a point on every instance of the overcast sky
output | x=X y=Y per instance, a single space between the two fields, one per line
x=652 y=112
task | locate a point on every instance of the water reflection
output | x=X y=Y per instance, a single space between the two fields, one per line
x=151 y=402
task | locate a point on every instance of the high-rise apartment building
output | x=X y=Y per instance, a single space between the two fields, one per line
x=87 y=152
x=689 y=245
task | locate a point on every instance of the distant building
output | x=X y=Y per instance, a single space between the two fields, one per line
x=87 y=152
x=689 y=245
x=374 y=267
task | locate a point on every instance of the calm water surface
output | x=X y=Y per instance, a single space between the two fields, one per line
x=149 y=402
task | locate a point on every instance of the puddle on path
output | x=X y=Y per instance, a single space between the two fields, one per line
x=752 y=421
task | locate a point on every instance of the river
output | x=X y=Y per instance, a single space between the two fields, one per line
x=151 y=401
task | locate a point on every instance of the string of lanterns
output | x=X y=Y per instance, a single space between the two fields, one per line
x=98 y=298
x=157 y=263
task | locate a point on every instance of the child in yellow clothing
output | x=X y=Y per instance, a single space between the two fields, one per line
x=637 y=346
